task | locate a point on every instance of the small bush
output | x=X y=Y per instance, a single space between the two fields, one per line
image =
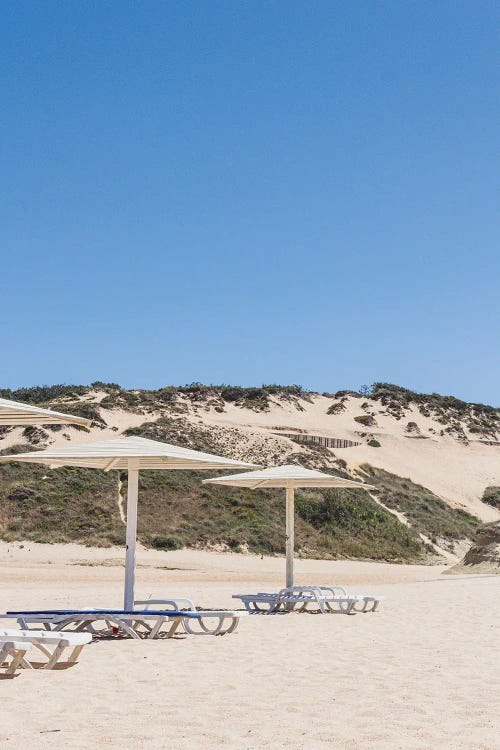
x=35 y=435
x=165 y=542
x=366 y=419
x=374 y=443
x=337 y=407
x=491 y=496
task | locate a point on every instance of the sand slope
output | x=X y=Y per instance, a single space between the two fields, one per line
x=457 y=473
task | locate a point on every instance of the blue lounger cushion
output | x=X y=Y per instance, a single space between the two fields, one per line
x=151 y=612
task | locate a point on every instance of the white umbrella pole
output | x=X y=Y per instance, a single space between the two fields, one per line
x=290 y=513
x=132 y=493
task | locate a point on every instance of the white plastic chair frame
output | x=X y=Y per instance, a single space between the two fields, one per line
x=222 y=626
x=325 y=599
x=137 y=627
x=16 y=650
x=42 y=639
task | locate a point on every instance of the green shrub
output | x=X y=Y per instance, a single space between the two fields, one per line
x=353 y=524
x=368 y=420
x=337 y=407
x=41 y=394
x=87 y=411
x=165 y=542
x=491 y=496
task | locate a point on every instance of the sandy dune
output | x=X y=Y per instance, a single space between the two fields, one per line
x=457 y=473
x=421 y=674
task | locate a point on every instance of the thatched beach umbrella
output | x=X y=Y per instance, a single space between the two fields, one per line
x=130 y=454
x=15 y=414
x=290 y=477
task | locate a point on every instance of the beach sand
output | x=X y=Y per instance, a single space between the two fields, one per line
x=422 y=673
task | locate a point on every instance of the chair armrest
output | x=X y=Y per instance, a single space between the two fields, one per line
x=340 y=589
x=175 y=603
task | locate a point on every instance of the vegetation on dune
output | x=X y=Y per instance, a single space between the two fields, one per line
x=255 y=398
x=42 y=394
x=328 y=524
x=350 y=523
x=86 y=410
x=491 y=496
x=217 y=396
x=176 y=510
x=181 y=431
x=35 y=435
x=451 y=412
x=426 y=512
x=367 y=420
x=231 y=441
x=447 y=410
x=337 y=407
x=62 y=505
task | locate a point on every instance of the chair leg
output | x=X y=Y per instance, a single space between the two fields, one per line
x=153 y=632
x=45 y=651
x=73 y=657
x=235 y=621
x=4 y=652
x=26 y=664
x=176 y=624
x=57 y=652
x=17 y=660
x=128 y=629
x=203 y=629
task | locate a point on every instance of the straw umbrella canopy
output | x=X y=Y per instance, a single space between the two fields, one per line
x=130 y=454
x=15 y=413
x=290 y=477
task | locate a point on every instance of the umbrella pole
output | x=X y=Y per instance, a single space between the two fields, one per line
x=132 y=493
x=289 y=534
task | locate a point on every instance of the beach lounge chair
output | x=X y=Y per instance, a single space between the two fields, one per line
x=299 y=598
x=12 y=653
x=325 y=599
x=134 y=623
x=43 y=640
x=210 y=621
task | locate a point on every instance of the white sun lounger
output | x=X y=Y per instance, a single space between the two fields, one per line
x=134 y=623
x=15 y=649
x=301 y=599
x=42 y=640
x=226 y=620
x=326 y=599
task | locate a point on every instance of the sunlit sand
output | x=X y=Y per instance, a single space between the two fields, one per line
x=422 y=673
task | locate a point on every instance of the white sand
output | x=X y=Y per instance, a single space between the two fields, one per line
x=421 y=674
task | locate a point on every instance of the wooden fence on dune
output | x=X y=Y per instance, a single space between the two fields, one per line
x=326 y=442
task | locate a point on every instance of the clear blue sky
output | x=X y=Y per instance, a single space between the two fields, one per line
x=250 y=192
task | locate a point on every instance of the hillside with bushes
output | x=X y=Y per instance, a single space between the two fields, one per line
x=395 y=439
